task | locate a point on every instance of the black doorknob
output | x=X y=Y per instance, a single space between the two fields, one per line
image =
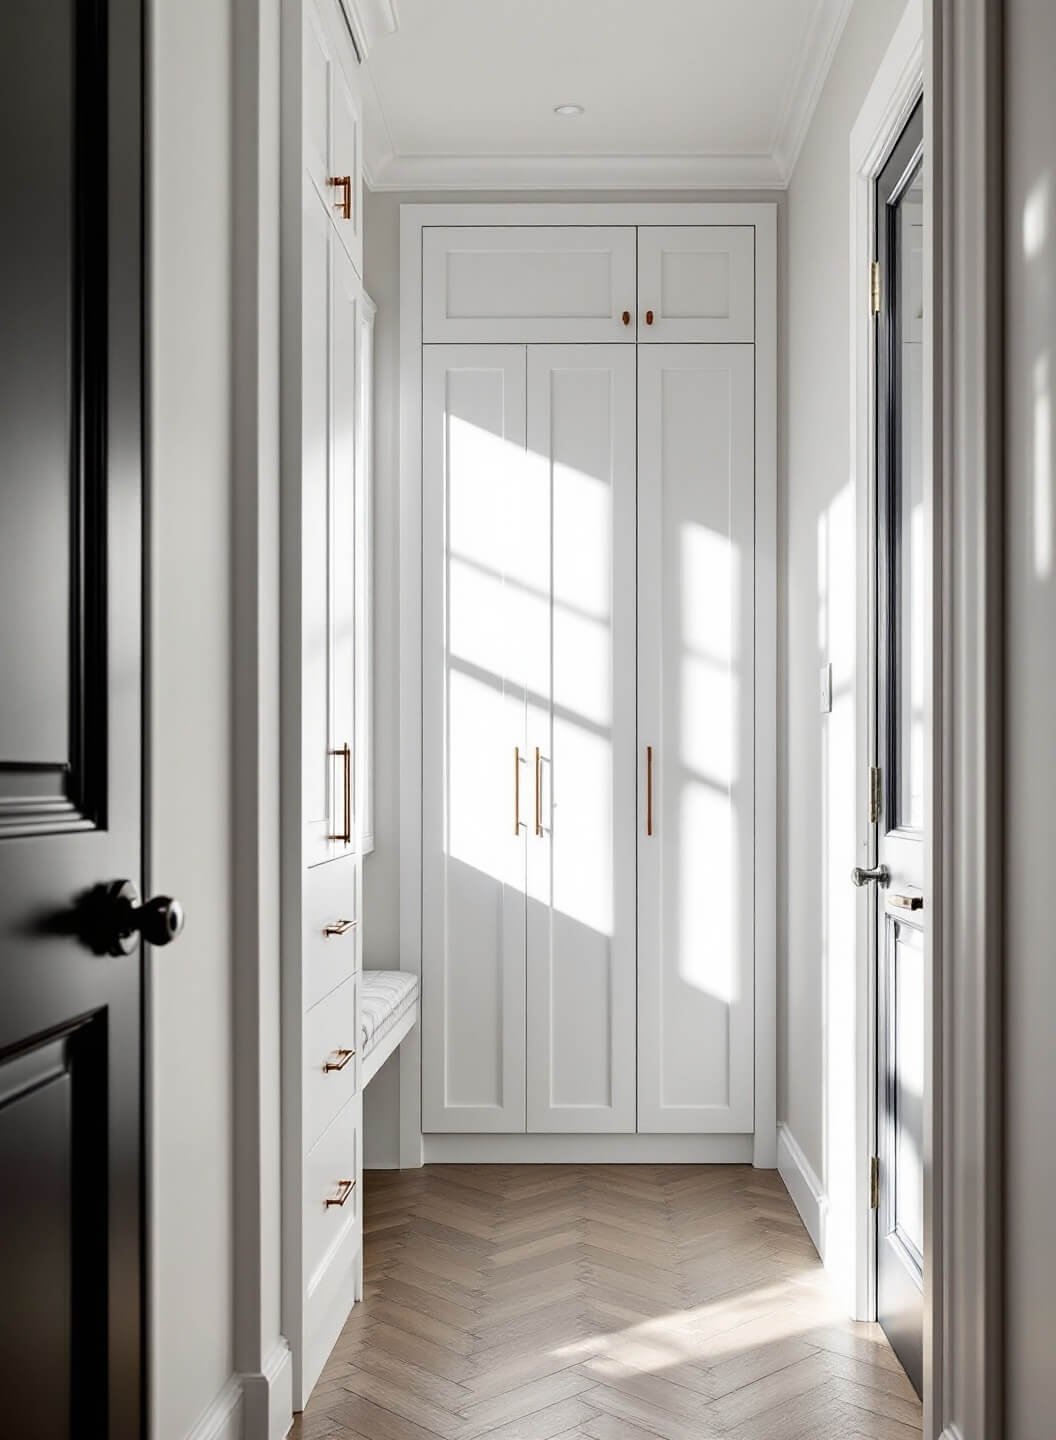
x=159 y=920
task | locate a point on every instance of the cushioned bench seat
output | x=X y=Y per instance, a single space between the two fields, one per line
x=388 y=1008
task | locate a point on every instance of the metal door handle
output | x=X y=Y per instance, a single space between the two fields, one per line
x=538 y=792
x=906 y=902
x=516 y=790
x=648 y=789
x=343 y=1057
x=346 y=755
x=343 y=182
x=338 y=927
x=880 y=874
x=125 y=917
x=344 y=1190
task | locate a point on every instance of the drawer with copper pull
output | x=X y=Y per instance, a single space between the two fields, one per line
x=330 y=940
x=332 y=1198
x=331 y=1064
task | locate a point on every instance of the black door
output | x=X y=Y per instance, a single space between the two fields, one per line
x=902 y=574
x=71 y=441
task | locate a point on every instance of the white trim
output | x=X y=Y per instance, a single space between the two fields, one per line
x=820 y=40
x=763 y=216
x=891 y=98
x=371 y=21
x=575 y=172
x=808 y=1194
x=588 y=1149
x=269 y=1396
x=223 y=1418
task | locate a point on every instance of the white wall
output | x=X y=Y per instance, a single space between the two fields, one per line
x=817 y=780
x=212 y=486
x=1030 y=955
x=381 y=881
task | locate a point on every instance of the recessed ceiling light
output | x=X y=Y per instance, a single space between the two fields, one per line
x=568 y=109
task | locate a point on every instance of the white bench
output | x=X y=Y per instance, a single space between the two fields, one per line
x=388 y=1009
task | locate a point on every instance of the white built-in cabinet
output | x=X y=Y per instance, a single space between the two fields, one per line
x=588 y=653
x=327 y=321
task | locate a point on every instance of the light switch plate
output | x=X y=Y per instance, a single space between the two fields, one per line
x=825 y=689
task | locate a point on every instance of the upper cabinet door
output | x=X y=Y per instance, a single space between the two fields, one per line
x=696 y=728
x=345 y=309
x=346 y=162
x=696 y=283
x=513 y=284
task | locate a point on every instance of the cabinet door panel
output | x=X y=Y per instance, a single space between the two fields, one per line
x=346 y=159
x=474 y=589
x=529 y=283
x=697 y=281
x=345 y=312
x=695 y=709
x=317 y=765
x=578 y=531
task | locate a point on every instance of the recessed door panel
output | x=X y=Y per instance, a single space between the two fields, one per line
x=345 y=328
x=476 y=776
x=529 y=283
x=696 y=481
x=579 y=640
x=696 y=283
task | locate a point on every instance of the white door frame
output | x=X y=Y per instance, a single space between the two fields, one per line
x=953 y=47
x=413 y=218
x=895 y=91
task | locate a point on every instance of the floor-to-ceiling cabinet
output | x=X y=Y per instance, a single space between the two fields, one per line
x=327 y=321
x=589 y=817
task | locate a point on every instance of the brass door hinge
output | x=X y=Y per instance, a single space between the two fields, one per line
x=874 y=288
x=874 y=1182
x=875 y=791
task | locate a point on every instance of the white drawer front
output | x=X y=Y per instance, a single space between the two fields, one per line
x=529 y=283
x=332 y=1173
x=696 y=283
x=331 y=932
x=331 y=1062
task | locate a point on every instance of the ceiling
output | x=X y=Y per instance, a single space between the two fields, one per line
x=460 y=94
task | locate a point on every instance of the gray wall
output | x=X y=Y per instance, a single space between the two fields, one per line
x=816 y=788
x=1030 y=956
x=381 y=885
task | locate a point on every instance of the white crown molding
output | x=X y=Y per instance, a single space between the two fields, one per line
x=820 y=40
x=573 y=172
x=371 y=21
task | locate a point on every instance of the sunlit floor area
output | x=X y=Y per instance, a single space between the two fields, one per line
x=611 y=1302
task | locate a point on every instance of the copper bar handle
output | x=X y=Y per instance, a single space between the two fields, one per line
x=344 y=1189
x=338 y=927
x=516 y=790
x=538 y=792
x=648 y=789
x=626 y=317
x=343 y=182
x=346 y=755
x=344 y=1056
x=648 y=317
x=906 y=902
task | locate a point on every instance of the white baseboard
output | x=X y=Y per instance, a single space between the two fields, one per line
x=803 y=1185
x=223 y=1419
x=269 y=1396
x=588 y=1149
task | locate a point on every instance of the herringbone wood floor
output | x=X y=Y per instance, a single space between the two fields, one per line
x=609 y=1302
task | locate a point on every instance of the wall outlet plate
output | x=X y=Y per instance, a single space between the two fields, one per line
x=825 y=689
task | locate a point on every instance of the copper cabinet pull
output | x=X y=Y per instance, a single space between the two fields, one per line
x=345 y=1188
x=345 y=1057
x=626 y=317
x=648 y=317
x=346 y=755
x=338 y=927
x=516 y=790
x=343 y=182
x=538 y=792
x=648 y=789
x=906 y=902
